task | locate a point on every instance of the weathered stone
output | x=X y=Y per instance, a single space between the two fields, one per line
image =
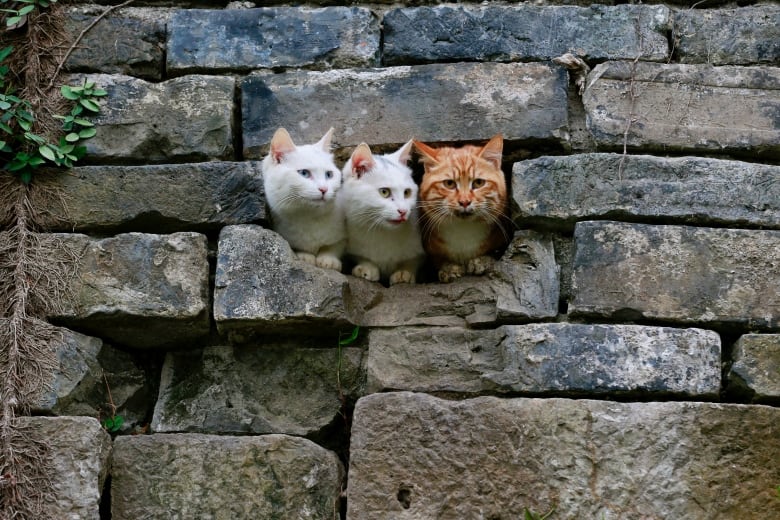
x=139 y=290
x=739 y=36
x=548 y=357
x=160 y=198
x=685 y=107
x=394 y=104
x=79 y=453
x=677 y=274
x=276 y=388
x=206 y=40
x=129 y=41
x=559 y=191
x=525 y=32
x=757 y=365
x=179 y=120
x=209 y=476
x=415 y=456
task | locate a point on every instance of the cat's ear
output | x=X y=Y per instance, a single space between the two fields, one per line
x=403 y=154
x=281 y=145
x=428 y=153
x=324 y=143
x=362 y=160
x=492 y=151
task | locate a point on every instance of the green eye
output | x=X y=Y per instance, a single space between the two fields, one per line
x=384 y=192
x=477 y=183
x=449 y=184
x=407 y=193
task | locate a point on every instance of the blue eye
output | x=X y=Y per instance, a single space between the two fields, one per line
x=329 y=174
x=304 y=173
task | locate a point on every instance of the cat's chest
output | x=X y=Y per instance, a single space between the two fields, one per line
x=464 y=239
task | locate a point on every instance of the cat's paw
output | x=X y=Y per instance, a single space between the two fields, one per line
x=450 y=272
x=368 y=271
x=401 y=277
x=480 y=265
x=306 y=257
x=328 y=262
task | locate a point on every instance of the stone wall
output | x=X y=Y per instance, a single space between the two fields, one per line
x=621 y=361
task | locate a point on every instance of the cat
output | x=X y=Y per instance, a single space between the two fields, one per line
x=301 y=184
x=379 y=198
x=463 y=207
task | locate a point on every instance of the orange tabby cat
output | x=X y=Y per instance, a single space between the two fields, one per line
x=463 y=203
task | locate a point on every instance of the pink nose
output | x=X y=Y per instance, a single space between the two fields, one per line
x=323 y=189
x=464 y=203
x=402 y=212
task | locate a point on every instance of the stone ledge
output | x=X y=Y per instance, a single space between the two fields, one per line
x=756 y=367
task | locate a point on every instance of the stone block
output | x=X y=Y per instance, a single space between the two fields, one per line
x=179 y=120
x=417 y=456
x=276 y=388
x=239 y=40
x=139 y=290
x=681 y=107
x=545 y=357
x=741 y=36
x=559 y=191
x=208 y=476
x=677 y=274
x=756 y=367
x=525 y=33
x=441 y=102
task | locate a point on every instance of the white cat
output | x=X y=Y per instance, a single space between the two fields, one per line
x=301 y=183
x=379 y=199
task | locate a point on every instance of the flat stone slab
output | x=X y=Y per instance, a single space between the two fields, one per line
x=276 y=388
x=417 y=456
x=409 y=102
x=676 y=273
x=677 y=107
x=559 y=191
x=545 y=357
x=525 y=33
x=240 y=40
x=139 y=290
x=180 y=120
x=208 y=476
x=757 y=365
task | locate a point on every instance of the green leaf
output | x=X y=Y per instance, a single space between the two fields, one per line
x=83 y=122
x=5 y=52
x=5 y=105
x=79 y=152
x=113 y=424
x=26 y=10
x=352 y=337
x=36 y=161
x=89 y=105
x=72 y=137
x=46 y=151
x=99 y=92
x=5 y=128
x=26 y=125
x=87 y=133
x=13 y=20
x=76 y=110
x=67 y=93
x=26 y=176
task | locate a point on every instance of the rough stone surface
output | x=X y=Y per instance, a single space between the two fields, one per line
x=525 y=32
x=685 y=107
x=757 y=365
x=559 y=191
x=139 y=290
x=179 y=120
x=80 y=451
x=202 y=40
x=276 y=388
x=160 y=198
x=548 y=357
x=181 y=476
x=414 y=456
x=523 y=101
x=741 y=36
x=676 y=273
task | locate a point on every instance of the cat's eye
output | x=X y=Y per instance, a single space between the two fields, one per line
x=384 y=192
x=304 y=173
x=477 y=183
x=329 y=174
x=407 y=193
x=449 y=184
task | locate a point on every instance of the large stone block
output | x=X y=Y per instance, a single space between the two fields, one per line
x=442 y=102
x=548 y=357
x=206 y=40
x=179 y=120
x=525 y=33
x=677 y=107
x=756 y=367
x=209 y=476
x=276 y=388
x=559 y=191
x=139 y=290
x=741 y=36
x=677 y=274
x=415 y=456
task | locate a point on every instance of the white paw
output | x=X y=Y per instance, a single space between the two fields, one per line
x=450 y=272
x=368 y=271
x=328 y=262
x=306 y=257
x=401 y=277
x=479 y=265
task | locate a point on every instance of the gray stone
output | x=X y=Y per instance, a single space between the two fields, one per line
x=525 y=33
x=276 y=388
x=741 y=36
x=757 y=365
x=139 y=290
x=239 y=40
x=191 y=475
x=559 y=191
x=414 y=456
x=179 y=120
x=677 y=274
x=547 y=357
x=159 y=198
x=442 y=102
x=678 y=107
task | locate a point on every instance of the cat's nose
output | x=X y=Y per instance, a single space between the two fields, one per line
x=323 y=189
x=464 y=203
x=402 y=212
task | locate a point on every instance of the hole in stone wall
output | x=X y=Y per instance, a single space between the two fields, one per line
x=404 y=496
x=105 y=500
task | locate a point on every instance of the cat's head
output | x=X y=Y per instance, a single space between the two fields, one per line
x=302 y=174
x=379 y=189
x=465 y=182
